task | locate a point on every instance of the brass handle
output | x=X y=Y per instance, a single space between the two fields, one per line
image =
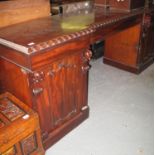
x=37 y=91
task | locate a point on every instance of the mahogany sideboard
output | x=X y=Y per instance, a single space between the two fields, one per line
x=45 y=62
x=52 y=78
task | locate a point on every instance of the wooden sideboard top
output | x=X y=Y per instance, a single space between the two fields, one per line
x=39 y=34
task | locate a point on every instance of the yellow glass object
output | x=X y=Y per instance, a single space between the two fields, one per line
x=78 y=23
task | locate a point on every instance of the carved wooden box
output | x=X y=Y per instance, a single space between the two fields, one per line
x=19 y=128
x=126 y=4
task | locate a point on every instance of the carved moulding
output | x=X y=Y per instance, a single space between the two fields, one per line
x=59 y=40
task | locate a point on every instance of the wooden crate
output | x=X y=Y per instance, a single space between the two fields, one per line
x=19 y=128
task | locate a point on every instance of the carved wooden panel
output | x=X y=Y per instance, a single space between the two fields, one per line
x=10 y=110
x=29 y=145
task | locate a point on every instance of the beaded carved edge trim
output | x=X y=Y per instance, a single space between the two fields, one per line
x=65 y=38
x=59 y=40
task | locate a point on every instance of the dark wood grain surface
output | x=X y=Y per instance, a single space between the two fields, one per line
x=50 y=31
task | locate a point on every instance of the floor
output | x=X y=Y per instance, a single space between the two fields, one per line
x=121 y=115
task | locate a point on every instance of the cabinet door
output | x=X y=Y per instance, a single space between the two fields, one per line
x=122 y=47
x=60 y=90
